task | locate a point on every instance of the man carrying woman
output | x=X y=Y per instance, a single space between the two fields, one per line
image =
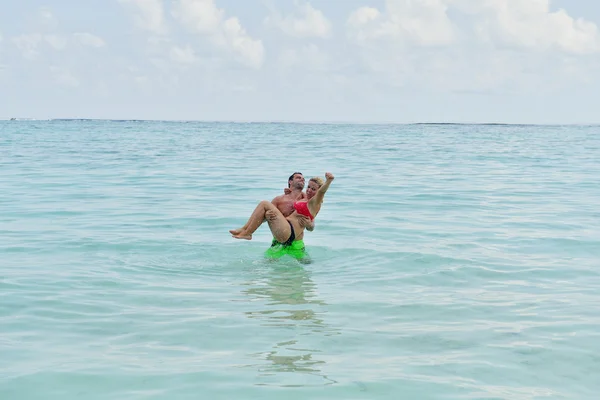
x=288 y=231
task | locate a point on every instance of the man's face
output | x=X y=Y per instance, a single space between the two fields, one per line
x=297 y=182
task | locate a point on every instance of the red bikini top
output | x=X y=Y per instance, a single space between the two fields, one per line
x=302 y=208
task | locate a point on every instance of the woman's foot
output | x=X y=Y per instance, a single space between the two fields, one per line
x=235 y=231
x=242 y=236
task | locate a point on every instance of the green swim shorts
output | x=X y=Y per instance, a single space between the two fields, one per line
x=278 y=250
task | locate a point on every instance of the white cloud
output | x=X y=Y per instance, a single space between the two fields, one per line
x=423 y=23
x=508 y=46
x=307 y=22
x=150 y=15
x=248 y=50
x=58 y=42
x=28 y=44
x=46 y=20
x=183 y=55
x=200 y=16
x=204 y=18
x=529 y=24
x=363 y=16
x=518 y=24
x=31 y=44
x=87 y=39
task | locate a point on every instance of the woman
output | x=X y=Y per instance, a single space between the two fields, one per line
x=287 y=230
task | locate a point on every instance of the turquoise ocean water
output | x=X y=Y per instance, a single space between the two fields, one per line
x=448 y=262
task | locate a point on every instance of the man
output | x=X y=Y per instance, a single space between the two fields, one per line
x=285 y=202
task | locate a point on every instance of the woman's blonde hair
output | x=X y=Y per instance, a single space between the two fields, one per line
x=318 y=180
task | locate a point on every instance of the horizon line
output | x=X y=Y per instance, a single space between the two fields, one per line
x=308 y=122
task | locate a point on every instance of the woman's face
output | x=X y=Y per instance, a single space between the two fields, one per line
x=312 y=188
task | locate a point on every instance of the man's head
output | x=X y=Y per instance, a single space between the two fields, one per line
x=296 y=181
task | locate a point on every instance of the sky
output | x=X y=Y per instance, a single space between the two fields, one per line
x=364 y=61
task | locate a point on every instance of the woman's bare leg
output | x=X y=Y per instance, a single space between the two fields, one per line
x=257 y=215
x=237 y=231
x=245 y=227
x=279 y=226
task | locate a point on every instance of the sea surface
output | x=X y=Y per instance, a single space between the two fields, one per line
x=447 y=262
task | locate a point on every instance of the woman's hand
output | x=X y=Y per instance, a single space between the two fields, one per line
x=329 y=176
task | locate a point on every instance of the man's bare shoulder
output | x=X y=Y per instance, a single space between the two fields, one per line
x=279 y=198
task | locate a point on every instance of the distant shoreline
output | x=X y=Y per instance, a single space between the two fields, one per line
x=16 y=119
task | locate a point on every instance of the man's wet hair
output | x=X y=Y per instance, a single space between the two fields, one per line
x=291 y=178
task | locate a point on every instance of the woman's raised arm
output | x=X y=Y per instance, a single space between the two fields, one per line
x=314 y=204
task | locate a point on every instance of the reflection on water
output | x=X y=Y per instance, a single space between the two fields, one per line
x=290 y=306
